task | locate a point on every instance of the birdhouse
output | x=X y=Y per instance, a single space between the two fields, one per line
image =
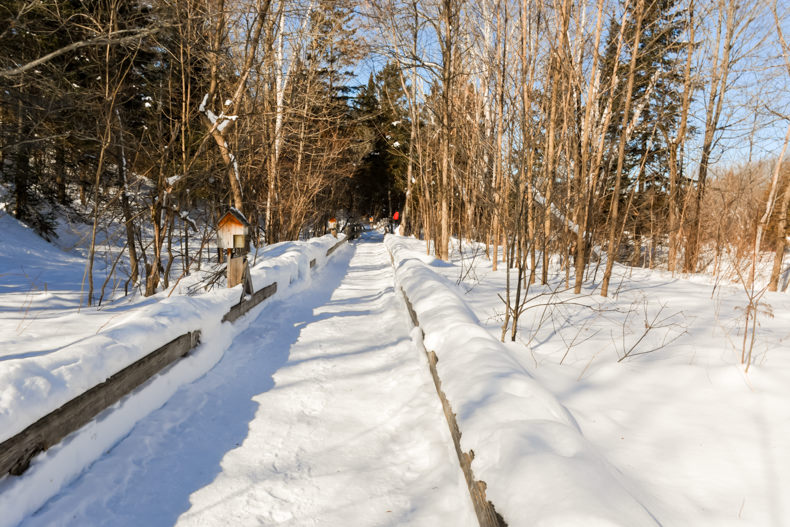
x=233 y=231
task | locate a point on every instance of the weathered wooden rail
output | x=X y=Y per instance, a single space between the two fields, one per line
x=246 y=304
x=487 y=516
x=17 y=451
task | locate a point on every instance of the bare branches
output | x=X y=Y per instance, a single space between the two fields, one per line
x=673 y=324
x=120 y=37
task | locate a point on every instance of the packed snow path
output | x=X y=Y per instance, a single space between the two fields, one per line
x=321 y=412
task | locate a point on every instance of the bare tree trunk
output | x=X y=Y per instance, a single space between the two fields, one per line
x=21 y=166
x=92 y=250
x=415 y=123
x=718 y=86
x=527 y=58
x=761 y=226
x=593 y=142
x=613 y=219
x=108 y=108
x=218 y=125
x=170 y=256
x=159 y=208
x=499 y=122
x=549 y=178
x=449 y=19
x=781 y=238
x=675 y=144
x=126 y=209
x=781 y=228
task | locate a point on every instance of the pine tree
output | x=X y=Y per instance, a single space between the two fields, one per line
x=379 y=181
x=321 y=134
x=657 y=82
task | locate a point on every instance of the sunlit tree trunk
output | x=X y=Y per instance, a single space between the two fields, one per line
x=614 y=218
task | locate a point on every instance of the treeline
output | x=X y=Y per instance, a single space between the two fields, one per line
x=551 y=130
x=152 y=111
x=572 y=130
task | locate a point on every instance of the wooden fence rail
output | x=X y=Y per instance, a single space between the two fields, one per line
x=487 y=516
x=246 y=304
x=17 y=451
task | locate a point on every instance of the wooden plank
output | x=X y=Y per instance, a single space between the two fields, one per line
x=246 y=282
x=335 y=246
x=245 y=305
x=235 y=271
x=16 y=452
x=412 y=313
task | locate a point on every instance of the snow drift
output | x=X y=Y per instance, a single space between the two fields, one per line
x=538 y=467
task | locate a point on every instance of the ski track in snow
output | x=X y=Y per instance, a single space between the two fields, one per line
x=322 y=412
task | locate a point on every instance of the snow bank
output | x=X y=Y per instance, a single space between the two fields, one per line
x=33 y=386
x=538 y=467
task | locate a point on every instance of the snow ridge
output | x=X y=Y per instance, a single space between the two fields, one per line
x=538 y=467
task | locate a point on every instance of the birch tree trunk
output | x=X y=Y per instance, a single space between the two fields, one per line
x=613 y=218
x=781 y=228
x=769 y=208
x=675 y=145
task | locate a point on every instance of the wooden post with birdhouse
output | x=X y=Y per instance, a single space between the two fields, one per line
x=233 y=235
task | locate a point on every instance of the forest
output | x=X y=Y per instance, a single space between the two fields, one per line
x=651 y=131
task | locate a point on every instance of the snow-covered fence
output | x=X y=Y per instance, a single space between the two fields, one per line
x=248 y=303
x=487 y=516
x=259 y=296
x=528 y=449
x=335 y=246
x=16 y=453
x=484 y=509
x=72 y=413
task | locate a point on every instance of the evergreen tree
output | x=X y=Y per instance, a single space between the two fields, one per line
x=655 y=97
x=379 y=182
x=321 y=133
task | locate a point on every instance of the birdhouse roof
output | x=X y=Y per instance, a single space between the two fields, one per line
x=233 y=216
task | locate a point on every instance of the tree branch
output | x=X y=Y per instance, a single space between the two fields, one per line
x=112 y=38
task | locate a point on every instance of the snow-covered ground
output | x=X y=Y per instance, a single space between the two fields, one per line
x=320 y=410
x=44 y=286
x=317 y=407
x=528 y=449
x=697 y=440
x=40 y=290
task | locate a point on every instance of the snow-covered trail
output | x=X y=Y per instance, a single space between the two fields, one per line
x=322 y=412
